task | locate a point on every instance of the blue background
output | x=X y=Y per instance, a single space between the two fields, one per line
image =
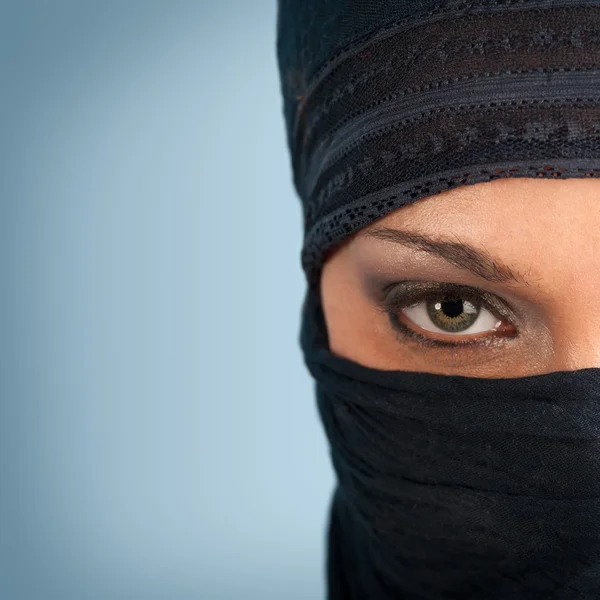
x=159 y=437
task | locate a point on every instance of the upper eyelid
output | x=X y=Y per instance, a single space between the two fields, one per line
x=496 y=305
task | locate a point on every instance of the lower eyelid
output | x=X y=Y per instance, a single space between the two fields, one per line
x=476 y=343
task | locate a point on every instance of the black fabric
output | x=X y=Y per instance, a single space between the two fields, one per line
x=447 y=486
x=389 y=102
x=311 y=35
x=458 y=487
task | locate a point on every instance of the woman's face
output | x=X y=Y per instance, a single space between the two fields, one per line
x=525 y=254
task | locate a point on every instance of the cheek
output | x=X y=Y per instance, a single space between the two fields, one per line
x=339 y=305
x=357 y=331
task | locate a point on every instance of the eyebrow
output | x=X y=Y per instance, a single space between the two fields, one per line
x=458 y=253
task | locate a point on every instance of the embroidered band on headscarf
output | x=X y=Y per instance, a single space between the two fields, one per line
x=426 y=97
x=447 y=486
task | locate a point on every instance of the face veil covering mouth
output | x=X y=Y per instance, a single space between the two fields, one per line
x=447 y=486
x=459 y=487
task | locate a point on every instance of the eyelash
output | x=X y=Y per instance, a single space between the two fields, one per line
x=395 y=301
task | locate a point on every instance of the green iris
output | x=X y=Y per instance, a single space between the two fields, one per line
x=452 y=314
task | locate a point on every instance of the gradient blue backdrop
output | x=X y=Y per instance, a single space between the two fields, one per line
x=158 y=433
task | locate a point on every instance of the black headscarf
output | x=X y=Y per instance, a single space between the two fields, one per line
x=448 y=486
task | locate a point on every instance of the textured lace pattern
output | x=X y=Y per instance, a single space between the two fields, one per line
x=445 y=99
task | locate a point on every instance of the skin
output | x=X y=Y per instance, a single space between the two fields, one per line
x=547 y=232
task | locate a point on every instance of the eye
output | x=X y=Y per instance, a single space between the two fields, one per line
x=451 y=314
x=450 y=311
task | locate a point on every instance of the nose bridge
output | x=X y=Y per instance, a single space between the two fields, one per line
x=576 y=317
x=576 y=353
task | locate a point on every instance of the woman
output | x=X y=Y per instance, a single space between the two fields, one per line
x=446 y=155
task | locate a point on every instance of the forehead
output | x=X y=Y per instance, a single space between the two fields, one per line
x=507 y=212
x=548 y=229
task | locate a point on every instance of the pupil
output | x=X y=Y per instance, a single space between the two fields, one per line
x=452 y=308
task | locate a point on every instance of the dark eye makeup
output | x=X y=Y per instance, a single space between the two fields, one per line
x=398 y=296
